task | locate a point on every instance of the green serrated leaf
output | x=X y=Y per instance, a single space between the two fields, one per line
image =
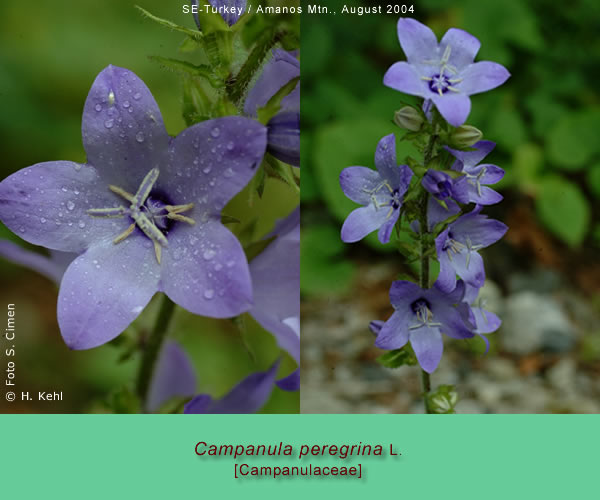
x=196 y=35
x=273 y=106
x=398 y=358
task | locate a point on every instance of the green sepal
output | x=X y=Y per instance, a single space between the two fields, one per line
x=211 y=22
x=218 y=46
x=442 y=400
x=398 y=358
x=196 y=35
x=228 y=219
x=280 y=171
x=273 y=106
x=197 y=105
x=189 y=69
x=257 y=185
x=189 y=45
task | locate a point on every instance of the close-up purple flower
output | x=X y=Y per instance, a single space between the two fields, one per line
x=276 y=289
x=443 y=73
x=230 y=10
x=478 y=176
x=457 y=248
x=283 y=139
x=249 y=396
x=143 y=213
x=420 y=317
x=380 y=192
x=443 y=187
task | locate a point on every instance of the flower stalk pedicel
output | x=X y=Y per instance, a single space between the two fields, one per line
x=434 y=195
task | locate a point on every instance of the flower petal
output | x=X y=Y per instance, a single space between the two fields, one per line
x=363 y=221
x=46 y=204
x=418 y=42
x=492 y=173
x=446 y=280
x=403 y=77
x=398 y=176
x=437 y=213
x=452 y=323
x=470 y=159
x=376 y=325
x=359 y=182
x=212 y=161
x=105 y=289
x=173 y=376
x=199 y=404
x=455 y=108
x=428 y=346
x=482 y=76
x=290 y=383
x=385 y=231
x=42 y=264
x=463 y=47
x=403 y=293
x=204 y=270
x=283 y=138
x=473 y=273
x=478 y=228
x=486 y=321
x=122 y=128
x=394 y=332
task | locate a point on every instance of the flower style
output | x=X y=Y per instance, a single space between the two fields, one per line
x=420 y=317
x=381 y=192
x=478 y=176
x=249 y=396
x=457 y=248
x=230 y=10
x=443 y=73
x=123 y=212
x=283 y=139
x=276 y=290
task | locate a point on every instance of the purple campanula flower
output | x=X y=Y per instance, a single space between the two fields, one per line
x=381 y=192
x=478 y=176
x=420 y=317
x=443 y=73
x=276 y=290
x=485 y=321
x=283 y=139
x=457 y=248
x=443 y=187
x=230 y=10
x=249 y=396
x=173 y=376
x=143 y=213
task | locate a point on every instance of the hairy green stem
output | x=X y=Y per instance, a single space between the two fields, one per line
x=152 y=348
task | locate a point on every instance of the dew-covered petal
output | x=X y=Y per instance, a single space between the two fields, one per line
x=46 y=205
x=470 y=159
x=360 y=183
x=482 y=76
x=418 y=42
x=454 y=107
x=212 y=161
x=363 y=221
x=283 y=137
x=463 y=47
x=385 y=231
x=42 y=264
x=249 y=396
x=394 y=332
x=280 y=69
x=105 y=289
x=204 y=270
x=173 y=376
x=276 y=289
x=123 y=131
x=428 y=346
x=404 y=77
x=290 y=383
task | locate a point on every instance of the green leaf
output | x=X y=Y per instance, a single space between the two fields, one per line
x=323 y=271
x=273 y=106
x=562 y=207
x=397 y=358
x=507 y=128
x=196 y=35
x=593 y=179
x=574 y=139
x=189 y=69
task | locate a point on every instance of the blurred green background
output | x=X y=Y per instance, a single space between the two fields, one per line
x=545 y=120
x=50 y=53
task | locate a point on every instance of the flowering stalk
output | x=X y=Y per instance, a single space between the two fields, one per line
x=152 y=348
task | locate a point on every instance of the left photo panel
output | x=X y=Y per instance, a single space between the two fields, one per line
x=149 y=207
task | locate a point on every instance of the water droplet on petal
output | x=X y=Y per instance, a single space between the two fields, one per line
x=139 y=137
x=109 y=123
x=98 y=107
x=81 y=224
x=22 y=229
x=231 y=263
x=230 y=146
x=64 y=189
x=126 y=104
x=215 y=132
x=70 y=205
x=137 y=96
x=43 y=220
x=209 y=294
x=206 y=170
x=209 y=254
x=77 y=167
x=228 y=172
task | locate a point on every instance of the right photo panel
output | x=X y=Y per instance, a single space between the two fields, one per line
x=450 y=224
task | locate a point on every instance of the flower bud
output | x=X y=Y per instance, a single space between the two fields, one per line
x=408 y=118
x=465 y=136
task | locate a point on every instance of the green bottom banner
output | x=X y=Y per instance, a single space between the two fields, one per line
x=289 y=456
